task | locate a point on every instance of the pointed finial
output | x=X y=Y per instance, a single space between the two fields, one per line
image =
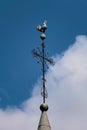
x=43 y=58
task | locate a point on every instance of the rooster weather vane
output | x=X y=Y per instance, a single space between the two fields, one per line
x=43 y=58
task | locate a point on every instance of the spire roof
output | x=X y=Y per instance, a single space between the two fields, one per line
x=44 y=122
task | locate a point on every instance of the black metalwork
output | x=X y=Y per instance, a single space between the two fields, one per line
x=43 y=58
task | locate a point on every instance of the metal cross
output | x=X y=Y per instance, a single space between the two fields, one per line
x=43 y=58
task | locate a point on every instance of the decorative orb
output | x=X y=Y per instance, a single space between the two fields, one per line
x=44 y=107
x=43 y=36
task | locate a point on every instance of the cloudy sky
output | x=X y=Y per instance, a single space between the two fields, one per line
x=20 y=75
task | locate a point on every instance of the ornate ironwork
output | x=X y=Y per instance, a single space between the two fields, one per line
x=44 y=60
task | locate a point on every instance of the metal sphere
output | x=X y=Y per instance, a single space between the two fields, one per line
x=43 y=36
x=44 y=107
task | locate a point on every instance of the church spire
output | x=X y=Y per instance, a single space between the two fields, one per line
x=44 y=122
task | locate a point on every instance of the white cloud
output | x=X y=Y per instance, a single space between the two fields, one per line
x=67 y=87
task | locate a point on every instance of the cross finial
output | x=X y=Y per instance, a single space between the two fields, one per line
x=41 y=55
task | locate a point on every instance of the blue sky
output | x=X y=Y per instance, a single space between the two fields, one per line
x=18 y=70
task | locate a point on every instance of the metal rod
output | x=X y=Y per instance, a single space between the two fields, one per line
x=43 y=71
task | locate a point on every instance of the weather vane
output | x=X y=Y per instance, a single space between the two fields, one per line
x=43 y=58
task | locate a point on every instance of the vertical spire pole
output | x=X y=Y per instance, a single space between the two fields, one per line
x=43 y=70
